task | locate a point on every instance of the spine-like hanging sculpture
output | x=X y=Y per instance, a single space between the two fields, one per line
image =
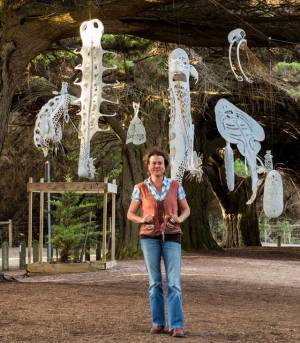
x=47 y=126
x=136 y=133
x=181 y=128
x=91 y=91
x=237 y=37
x=273 y=190
x=237 y=127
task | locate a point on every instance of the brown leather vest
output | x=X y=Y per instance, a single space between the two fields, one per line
x=150 y=207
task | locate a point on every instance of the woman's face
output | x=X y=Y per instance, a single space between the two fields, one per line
x=156 y=166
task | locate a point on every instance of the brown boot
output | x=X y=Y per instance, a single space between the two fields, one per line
x=157 y=329
x=178 y=332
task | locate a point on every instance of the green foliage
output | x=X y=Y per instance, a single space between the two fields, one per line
x=54 y=57
x=294 y=92
x=264 y=229
x=241 y=169
x=115 y=173
x=161 y=62
x=125 y=44
x=294 y=66
x=73 y=227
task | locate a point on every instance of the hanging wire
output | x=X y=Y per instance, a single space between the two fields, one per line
x=90 y=9
x=270 y=89
x=215 y=2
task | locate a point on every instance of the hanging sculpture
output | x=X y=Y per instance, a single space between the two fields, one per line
x=237 y=127
x=181 y=128
x=136 y=133
x=195 y=166
x=237 y=37
x=273 y=190
x=47 y=126
x=91 y=91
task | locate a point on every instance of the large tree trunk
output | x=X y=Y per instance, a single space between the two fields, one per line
x=133 y=173
x=8 y=85
x=196 y=230
x=240 y=220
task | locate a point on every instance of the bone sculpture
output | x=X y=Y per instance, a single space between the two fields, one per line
x=91 y=91
x=273 y=190
x=47 y=126
x=237 y=127
x=181 y=128
x=136 y=133
x=237 y=37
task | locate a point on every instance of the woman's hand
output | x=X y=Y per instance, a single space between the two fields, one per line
x=175 y=219
x=147 y=219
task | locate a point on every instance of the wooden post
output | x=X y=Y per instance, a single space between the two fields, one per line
x=30 y=223
x=5 y=257
x=113 y=224
x=41 y=235
x=35 y=251
x=104 y=222
x=10 y=229
x=22 y=255
x=279 y=241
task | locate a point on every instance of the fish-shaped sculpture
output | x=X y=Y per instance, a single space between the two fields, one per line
x=181 y=128
x=47 y=128
x=237 y=127
x=91 y=96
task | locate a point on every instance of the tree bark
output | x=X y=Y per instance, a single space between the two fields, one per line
x=133 y=173
x=240 y=220
x=196 y=230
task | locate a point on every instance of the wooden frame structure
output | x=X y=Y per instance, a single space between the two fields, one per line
x=102 y=188
x=10 y=229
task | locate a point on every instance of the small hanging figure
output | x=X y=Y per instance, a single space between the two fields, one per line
x=136 y=133
x=237 y=127
x=181 y=128
x=47 y=126
x=237 y=37
x=195 y=166
x=273 y=189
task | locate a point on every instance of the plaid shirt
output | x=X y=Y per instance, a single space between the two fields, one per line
x=136 y=195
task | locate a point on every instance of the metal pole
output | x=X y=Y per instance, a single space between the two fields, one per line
x=49 y=245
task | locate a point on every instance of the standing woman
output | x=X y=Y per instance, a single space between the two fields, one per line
x=160 y=232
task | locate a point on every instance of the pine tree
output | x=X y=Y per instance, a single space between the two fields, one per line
x=72 y=229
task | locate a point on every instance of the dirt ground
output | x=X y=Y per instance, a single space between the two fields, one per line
x=245 y=295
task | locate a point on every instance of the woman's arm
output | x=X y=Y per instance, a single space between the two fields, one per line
x=185 y=211
x=131 y=214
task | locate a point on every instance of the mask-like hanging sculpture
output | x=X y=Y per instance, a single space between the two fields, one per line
x=273 y=190
x=181 y=128
x=47 y=126
x=237 y=37
x=237 y=127
x=136 y=133
x=91 y=91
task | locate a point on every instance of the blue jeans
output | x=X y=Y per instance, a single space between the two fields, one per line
x=153 y=250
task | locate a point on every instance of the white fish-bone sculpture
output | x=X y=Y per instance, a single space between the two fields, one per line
x=237 y=127
x=273 y=189
x=237 y=37
x=181 y=128
x=91 y=91
x=47 y=128
x=136 y=133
